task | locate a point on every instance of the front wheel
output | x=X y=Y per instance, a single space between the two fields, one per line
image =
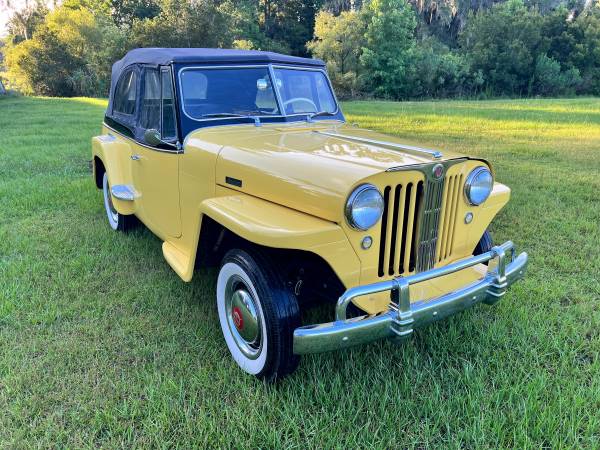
x=485 y=244
x=258 y=315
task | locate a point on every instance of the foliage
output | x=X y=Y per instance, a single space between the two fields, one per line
x=23 y=23
x=575 y=42
x=503 y=43
x=339 y=41
x=381 y=48
x=64 y=55
x=389 y=42
x=436 y=71
x=182 y=24
x=550 y=79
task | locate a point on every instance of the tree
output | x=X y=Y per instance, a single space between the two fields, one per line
x=23 y=23
x=243 y=24
x=504 y=44
x=574 y=42
x=338 y=41
x=389 y=42
x=183 y=24
x=288 y=21
x=70 y=53
x=42 y=65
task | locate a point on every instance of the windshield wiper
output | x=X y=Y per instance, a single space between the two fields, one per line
x=234 y=115
x=213 y=115
x=311 y=116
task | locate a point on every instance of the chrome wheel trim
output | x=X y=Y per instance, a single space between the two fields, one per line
x=247 y=349
x=111 y=212
x=242 y=317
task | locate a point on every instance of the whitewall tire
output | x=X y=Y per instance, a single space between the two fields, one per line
x=258 y=315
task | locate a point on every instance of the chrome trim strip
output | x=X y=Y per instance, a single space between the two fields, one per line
x=124 y=192
x=106 y=137
x=403 y=317
x=278 y=98
x=435 y=154
x=175 y=151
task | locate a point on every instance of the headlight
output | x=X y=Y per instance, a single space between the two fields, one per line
x=479 y=185
x=364 y=207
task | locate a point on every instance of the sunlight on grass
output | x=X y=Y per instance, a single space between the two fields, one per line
x=102 y=345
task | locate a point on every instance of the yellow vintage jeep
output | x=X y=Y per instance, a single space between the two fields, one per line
x=243 y=159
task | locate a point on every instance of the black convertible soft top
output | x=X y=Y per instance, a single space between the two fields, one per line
x=192 y=56
x=216 y=56
x=163 y=56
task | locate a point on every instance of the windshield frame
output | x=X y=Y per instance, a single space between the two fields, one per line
x=253 y=118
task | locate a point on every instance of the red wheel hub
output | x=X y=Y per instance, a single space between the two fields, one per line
x=238 y=320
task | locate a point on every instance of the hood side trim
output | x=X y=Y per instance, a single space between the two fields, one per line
x=434 y=154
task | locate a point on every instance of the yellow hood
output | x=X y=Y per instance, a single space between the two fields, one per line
x=308 y=167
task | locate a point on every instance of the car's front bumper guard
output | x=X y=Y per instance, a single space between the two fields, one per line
x=403 y=316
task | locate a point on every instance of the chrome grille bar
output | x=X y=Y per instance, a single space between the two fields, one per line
x=429 y=228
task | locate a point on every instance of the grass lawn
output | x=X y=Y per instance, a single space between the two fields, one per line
x=101 y=344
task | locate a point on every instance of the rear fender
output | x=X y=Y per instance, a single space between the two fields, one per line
x=115 y=155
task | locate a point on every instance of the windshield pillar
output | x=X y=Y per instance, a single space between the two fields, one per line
x=276 y=89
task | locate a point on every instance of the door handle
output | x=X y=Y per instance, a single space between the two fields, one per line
x=136 y=157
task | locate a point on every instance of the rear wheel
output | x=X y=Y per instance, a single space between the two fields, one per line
x=117 y=221
x=258 y=315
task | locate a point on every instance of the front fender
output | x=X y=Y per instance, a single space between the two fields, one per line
x=271 y=225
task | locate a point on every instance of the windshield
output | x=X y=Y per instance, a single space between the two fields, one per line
x=217 y=93
x=241 y=92
x=304 y=91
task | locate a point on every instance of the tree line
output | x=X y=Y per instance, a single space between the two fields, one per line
x=394 y=49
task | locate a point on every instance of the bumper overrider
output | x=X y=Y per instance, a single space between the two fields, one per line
x=403 y=316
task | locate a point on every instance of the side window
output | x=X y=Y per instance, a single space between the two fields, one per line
x=150 y=109
x=168 y=106
x=124 y=101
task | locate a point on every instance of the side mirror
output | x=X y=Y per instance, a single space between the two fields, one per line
x=152 y=137
x=261 y=84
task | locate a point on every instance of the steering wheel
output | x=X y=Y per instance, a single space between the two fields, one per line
x=301 y=99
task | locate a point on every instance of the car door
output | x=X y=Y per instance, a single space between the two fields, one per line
x=155 y=168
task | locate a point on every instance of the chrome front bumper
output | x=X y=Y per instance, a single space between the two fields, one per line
x=403 y=316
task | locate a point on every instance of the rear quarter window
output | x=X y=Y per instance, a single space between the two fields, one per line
x=125 y=94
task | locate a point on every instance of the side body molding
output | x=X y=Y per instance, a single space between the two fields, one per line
x=271 y=225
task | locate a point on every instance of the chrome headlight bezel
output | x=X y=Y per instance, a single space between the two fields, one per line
x=471 y=179
x=351 y=207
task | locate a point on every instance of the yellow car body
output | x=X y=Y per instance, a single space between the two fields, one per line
x=285 y=185
x=288 y=199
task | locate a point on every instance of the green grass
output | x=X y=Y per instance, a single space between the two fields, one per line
x=101 y=344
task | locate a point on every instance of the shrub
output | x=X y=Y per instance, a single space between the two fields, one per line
x=551 y=80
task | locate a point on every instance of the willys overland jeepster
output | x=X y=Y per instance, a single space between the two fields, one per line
x=243 y=159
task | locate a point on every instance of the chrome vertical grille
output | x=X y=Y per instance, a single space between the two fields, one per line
x=419 y=220
x=429 y=226
x=397 y=249
x=452 y=193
